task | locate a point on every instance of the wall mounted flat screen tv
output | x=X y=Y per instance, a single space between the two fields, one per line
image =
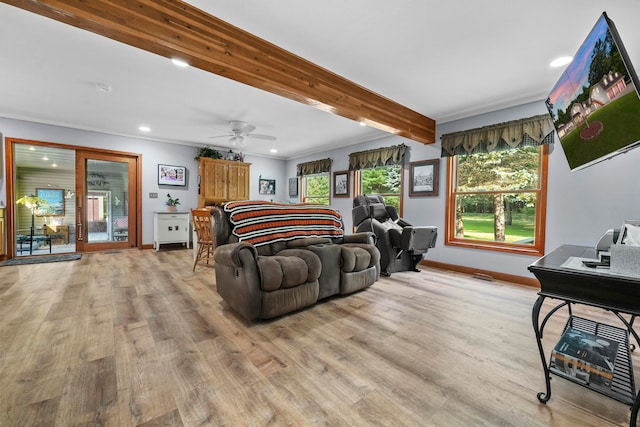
x=595 y=105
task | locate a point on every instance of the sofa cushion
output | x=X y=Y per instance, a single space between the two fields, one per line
x=312 y=260
x=373 y=252
x=355 y=259
x=289 y=269
x=281 y=272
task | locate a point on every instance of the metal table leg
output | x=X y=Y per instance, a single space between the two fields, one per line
x=535 y=317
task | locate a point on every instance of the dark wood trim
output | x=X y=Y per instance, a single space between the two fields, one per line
x=10 y=250
x=72 y=147
x=173 y=29
x=483 y=274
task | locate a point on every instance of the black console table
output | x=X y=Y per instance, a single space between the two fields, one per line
x=563 y=277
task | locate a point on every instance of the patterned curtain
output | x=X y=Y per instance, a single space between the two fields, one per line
x=314 y=167
x=385 y=156
x=537 y=130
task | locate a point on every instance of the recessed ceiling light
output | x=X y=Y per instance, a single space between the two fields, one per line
x=32 y=148
x=54 y=165
x=559 y=62
x=273 y=150
x=363 y=124
x=101 y=87
x=179 y=62
x=45 y=158
x=144 y=128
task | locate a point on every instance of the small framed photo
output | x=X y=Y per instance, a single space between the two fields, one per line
x=51 y=201
x=293 y=187
x=341 y=184
x=172 y=175
x=423 y=176
x=267 y=186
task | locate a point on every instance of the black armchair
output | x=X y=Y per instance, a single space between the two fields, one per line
x=402 y=246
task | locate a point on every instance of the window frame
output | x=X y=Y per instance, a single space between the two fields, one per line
x=537 y=249
x=357 y=187
x=303 y=189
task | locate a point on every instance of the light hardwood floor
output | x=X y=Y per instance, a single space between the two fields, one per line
x=136 y=338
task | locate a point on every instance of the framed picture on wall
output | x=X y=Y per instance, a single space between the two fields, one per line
x=172 y=175
x=423 y=178
x=51 y=201
x=267 y=186
x=341 y=184
x=293 y=187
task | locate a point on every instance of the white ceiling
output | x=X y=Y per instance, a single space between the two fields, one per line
x=446 y=60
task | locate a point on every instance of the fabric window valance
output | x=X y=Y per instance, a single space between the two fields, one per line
x=314 y=167
x=537 y=130
x=385 y=156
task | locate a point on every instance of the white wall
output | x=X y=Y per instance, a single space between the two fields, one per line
x=268 y=169
x=581 y=205
x=153 y=153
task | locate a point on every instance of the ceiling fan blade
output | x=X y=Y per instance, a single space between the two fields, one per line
x=258 y=136
x=246 y=129
x=240 y=127
x=220 y=136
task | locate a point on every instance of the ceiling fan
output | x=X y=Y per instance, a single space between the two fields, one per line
x=240 y=131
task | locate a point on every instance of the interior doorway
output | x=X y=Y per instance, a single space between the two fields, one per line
x=65 y=199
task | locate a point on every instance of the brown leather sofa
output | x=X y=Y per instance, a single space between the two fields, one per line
x=285 y=272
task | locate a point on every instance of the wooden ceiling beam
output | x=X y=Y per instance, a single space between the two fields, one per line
x=173 y=28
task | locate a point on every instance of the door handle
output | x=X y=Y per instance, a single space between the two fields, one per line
x=79 y=234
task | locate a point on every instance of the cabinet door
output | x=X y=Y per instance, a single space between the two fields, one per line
x=238 y=182
x=213 y=185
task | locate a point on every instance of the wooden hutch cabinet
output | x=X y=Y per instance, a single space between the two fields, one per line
x=222 y=181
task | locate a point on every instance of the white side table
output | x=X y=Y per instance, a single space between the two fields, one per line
x=170 y=227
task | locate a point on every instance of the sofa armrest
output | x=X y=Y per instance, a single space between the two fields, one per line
x=361 y=237
x=229 y=254
x=238 y=278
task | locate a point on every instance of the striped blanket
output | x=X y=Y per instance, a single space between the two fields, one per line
x=261 y=223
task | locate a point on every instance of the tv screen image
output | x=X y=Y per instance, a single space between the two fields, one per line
x=595 y=105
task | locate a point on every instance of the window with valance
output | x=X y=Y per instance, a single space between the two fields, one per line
x=385 y=156
x=314 y=181
x=496 y=185
x=314 y=167
x=379 y=171
x=532 y=131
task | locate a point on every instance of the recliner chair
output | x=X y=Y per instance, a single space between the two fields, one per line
x=402 y=246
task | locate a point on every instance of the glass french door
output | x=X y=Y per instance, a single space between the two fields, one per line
x=106 y=201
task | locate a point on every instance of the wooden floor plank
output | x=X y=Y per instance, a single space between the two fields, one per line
x=132 y=338
x=90 y=396
x=144 y=392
